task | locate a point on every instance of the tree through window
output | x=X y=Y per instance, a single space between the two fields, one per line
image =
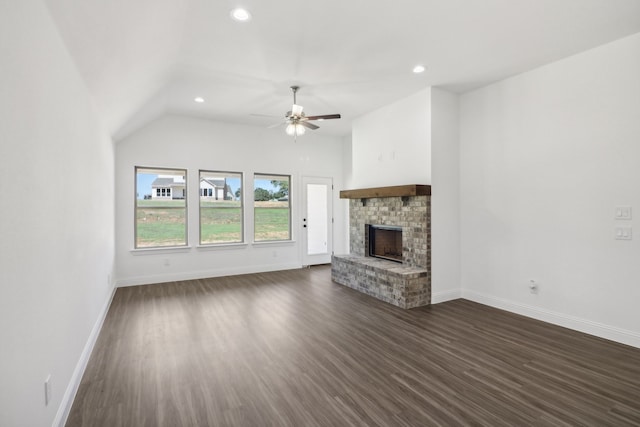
x=272 y=207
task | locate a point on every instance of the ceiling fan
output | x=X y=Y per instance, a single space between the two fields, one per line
x=297 y=122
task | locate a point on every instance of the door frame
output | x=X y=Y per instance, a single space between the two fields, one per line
x=324 y=258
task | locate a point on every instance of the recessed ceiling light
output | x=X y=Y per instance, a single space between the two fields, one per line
x=199 y=99
x=418 y=69
x=240 y=14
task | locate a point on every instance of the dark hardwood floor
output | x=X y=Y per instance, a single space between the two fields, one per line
x=294 y=349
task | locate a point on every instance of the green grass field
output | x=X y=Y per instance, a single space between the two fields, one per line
x=220 y=224
x=162 y=223
x=271 y=223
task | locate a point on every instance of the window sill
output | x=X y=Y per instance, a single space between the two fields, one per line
x=222 y=246
x=167 y=250
x=275 y=243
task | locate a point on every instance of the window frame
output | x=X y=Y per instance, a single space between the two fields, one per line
x=159 y=171
x=270 y=176
x=206 y=193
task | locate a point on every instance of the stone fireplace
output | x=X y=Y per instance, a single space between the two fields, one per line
x=394 y=266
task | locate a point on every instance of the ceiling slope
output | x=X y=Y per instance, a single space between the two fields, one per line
x=143 y=58
x=124 y=49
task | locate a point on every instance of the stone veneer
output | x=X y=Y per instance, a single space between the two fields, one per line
x=400 y=285
x=405 y=285
x=410 y=213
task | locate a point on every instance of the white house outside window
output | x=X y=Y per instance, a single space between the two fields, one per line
x=221 y=208
x=161 y=208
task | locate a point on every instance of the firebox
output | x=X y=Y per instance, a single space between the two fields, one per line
x=385 y=242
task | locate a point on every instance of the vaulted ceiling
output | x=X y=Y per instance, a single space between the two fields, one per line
x=145 y=58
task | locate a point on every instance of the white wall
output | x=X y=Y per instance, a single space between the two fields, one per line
x=194 y=144
x=445 y=196
x=56 y=221
x=545 y=158
x=415 y=141
x=392 y=145
x=347 y=174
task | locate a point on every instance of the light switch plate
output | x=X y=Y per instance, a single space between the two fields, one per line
x=623 y=233
x=623 y=212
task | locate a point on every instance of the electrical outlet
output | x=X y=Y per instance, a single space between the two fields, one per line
x=533 y=286
x=47 y=390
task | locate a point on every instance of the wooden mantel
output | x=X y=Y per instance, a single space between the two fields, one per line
x=394 y=191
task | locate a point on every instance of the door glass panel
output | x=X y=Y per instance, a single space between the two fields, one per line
x=317 y=221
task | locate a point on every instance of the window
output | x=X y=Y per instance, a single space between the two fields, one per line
x=160 y=213
x=220 y=207
x=272 y=207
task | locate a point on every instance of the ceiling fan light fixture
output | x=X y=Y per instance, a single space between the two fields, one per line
x=295 y=129
x=241 y=15
x=291 y=129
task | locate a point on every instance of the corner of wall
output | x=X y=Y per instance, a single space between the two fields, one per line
x=74 y=383
x=445 y=204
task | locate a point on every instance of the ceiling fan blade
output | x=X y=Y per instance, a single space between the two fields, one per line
x=296 y=110
x=263 y=115
x=325 y=117
x=308 y=125
x=275 y=125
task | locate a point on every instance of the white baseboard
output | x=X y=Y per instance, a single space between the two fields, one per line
x=70 y=393
x=444 y=296
x=203 y=274
x=571 y=322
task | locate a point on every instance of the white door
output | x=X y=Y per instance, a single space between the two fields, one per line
x=317 y=220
